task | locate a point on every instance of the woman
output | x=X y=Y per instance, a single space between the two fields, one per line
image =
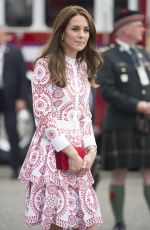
x=61 y=83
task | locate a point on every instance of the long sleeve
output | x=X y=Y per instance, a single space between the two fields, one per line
x=84 y=103
x=44 y=108
x=21 y=70
x=87 y=127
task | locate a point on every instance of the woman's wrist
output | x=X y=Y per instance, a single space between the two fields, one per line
x=70 y=151
x=91 y=148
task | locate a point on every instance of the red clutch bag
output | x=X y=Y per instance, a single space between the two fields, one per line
x=62 y=159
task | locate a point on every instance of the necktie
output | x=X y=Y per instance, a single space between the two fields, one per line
x=138 y=63
x=134 y=56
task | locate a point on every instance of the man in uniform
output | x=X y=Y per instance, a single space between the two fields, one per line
x=125 y=85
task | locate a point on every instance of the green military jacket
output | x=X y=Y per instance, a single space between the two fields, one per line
x=120 y=86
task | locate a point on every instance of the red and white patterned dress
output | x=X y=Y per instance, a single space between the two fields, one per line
x=62 y=117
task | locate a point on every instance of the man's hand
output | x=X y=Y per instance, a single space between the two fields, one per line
x=20 y=104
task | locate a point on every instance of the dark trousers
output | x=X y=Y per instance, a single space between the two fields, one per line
x=11 y=129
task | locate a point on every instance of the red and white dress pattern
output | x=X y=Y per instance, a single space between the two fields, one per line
x=62 y=117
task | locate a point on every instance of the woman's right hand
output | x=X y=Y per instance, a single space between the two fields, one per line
x=74 y=160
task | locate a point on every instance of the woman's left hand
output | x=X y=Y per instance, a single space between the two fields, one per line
x=87 y=162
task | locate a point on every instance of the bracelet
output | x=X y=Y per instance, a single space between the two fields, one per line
x=91 y=147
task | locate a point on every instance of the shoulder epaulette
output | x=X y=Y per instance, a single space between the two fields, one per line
x=104 y=49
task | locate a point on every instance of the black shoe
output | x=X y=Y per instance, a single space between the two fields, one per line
x=119 y=226
x=15 y=174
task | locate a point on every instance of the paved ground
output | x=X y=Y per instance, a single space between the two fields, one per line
x=12 y=203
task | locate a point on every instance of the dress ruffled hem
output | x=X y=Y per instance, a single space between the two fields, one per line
x=62 y=206
x=29 y=222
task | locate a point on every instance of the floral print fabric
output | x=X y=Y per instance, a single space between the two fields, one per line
x=55 y=196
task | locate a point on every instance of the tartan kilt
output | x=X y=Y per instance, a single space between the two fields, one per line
x=127 y=149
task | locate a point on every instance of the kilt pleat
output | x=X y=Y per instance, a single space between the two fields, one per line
x=125 y=149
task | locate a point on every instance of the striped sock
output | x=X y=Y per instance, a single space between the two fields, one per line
x=147 y=194
x=117 y=201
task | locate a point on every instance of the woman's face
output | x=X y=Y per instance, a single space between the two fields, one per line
x=76 y=35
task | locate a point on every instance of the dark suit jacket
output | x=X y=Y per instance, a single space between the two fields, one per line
x=14 y=76
x=121 y=88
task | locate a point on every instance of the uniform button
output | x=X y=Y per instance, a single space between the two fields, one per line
x=143 y=91
x=123 y=70
x=140 y=55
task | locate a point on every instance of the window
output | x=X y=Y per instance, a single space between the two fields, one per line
x=18 y=12
x=54 y=6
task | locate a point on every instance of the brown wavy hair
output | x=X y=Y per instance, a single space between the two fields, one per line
x=54 y=50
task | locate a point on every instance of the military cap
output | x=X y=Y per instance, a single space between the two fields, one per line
x=126 y=16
